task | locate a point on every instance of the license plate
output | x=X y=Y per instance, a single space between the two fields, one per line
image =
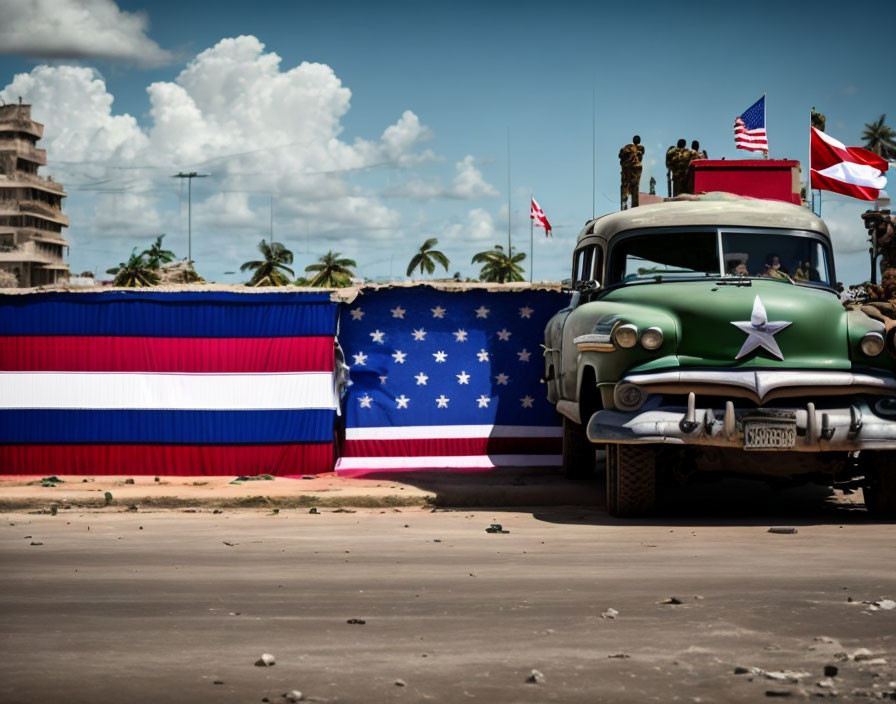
x=759 y=435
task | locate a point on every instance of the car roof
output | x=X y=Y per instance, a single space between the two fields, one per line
x=714 y=209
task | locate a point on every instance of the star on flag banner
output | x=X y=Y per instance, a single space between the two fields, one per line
x=536 y=214
x=447 y=380
x=852 y=171
x=749 y=128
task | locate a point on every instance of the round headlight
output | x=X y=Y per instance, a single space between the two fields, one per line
x=873 y=344
x=626 y=335
x=652 y=338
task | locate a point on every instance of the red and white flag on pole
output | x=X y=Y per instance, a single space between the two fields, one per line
x=537 y=215
x=852 y=171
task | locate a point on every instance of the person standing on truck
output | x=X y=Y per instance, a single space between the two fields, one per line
x=630 y=159
x=694 y=153
x=680 y=160
x=671 y=158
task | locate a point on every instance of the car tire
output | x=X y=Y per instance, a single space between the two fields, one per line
x=631 y=480
x=579 y=456
x=612 y=478
x=880 y=485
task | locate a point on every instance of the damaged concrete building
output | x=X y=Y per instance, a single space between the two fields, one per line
x=31 y=219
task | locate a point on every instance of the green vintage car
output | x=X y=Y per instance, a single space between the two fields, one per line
x=708 y=335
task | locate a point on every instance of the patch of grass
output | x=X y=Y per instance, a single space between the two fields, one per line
x=255 y=478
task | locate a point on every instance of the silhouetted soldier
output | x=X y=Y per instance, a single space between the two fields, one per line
x=630 y=157
x=694 y=153
x=671 y=156
x=677 y=160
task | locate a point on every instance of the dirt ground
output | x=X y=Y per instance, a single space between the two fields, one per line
x=118 y=605
x=501 y=487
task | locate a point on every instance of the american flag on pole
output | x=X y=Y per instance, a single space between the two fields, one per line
x=447 y=380
x=749 y=128
x=536 y=214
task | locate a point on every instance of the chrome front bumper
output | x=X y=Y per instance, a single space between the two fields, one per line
x=762 y=385
x=856 y=426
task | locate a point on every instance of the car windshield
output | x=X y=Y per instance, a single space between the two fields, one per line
x=775 y=256
x=667 y=256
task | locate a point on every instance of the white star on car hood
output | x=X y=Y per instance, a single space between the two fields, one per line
x=760 y=332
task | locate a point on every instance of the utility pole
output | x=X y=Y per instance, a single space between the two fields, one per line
x=190 y=175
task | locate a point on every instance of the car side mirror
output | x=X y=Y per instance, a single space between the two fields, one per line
x=566 y=286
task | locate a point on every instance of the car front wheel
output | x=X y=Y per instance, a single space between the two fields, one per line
x=578 y=453
x=880 y=484
x=631 y=480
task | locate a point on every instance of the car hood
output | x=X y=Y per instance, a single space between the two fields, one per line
x=704 y=313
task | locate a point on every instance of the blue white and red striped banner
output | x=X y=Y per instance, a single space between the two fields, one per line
x=167 y=383
x=447 y=380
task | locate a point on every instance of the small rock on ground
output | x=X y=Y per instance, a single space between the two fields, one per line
x=266 y=660
x=294 y=696
x=535 y=677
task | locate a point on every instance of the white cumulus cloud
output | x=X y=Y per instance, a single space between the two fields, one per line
x=77 y=29
x=468 y=184
x=268 y=137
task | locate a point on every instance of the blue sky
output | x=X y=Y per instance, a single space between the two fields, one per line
x=405 y=132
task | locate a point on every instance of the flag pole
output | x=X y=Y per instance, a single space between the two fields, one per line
x=593 y=184
x=509 y=246
x=765 y=121
x=809 y=192
x=531 y=237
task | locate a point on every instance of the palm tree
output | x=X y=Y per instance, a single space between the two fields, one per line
x=331 y=271
x=268 y=270
x=135 y=272
x=498 y=266
x=156 y=256
x=426 y=257
x=880 y=138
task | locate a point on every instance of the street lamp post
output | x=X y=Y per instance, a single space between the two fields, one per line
x=189 y=175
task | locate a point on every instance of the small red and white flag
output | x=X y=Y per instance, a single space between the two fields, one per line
x=537 y=215
x=852 y=171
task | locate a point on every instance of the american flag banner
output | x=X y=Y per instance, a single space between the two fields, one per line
x=749 y=128
x=536 y=214
x=186 y=383
x=447 y=380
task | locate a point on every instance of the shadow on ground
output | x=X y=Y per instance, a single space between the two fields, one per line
x=723 y=501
